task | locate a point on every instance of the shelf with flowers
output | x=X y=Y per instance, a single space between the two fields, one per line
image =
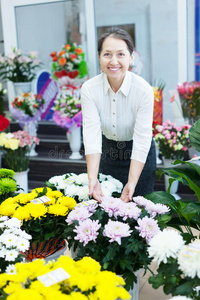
x=20 y=69
x=15 y=148
x=173 y=143
x=42 y=213
x=116 y=233
x=27 y=110
x=13 y=240
x=67 y=114
x=82 y=280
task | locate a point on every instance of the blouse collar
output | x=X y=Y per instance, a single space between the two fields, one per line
x=125 y=87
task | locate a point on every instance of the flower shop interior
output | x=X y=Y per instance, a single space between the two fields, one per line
x=55 y=240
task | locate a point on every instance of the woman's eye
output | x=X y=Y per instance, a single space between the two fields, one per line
x=121 y=54
x=106 y=54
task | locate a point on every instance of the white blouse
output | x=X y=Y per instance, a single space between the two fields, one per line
x=122 y=116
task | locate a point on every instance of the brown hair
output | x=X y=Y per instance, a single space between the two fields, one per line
x=116 y=33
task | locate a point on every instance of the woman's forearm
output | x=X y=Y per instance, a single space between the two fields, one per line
x=135 y=171
x=93 y=161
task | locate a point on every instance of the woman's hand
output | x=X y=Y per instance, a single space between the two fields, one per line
x=95 y=189
x=128 y=192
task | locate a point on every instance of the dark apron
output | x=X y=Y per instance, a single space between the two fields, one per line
x=115 y=161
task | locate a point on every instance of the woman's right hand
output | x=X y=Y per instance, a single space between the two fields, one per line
x=95 y=189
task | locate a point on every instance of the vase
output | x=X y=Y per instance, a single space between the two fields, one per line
x=22 y=180
x=31 y=127
x=174 y=187
x=22 y=87
x=74 y=138
x=134 y=293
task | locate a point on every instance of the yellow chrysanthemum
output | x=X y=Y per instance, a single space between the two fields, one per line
x=36 y=210
x=65 y=262
x=3 y=279
x=21 y=213
x=12 y=287
x=40 y=190
x=8 y=208
x=33 y=269
x=12 y=144
x=78 y=296
x=53 y=201
x=38 y=286
x=67 y=201
x=54 y=194
x=23 y=198
x=84 y=282
x=88 y=264
x=25 y=294
x=57 y=210
x=108 y=276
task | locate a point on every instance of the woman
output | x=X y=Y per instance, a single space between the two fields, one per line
x=117 y=108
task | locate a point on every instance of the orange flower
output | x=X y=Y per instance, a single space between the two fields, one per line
x=35 y=105
x=55 y=58
x=62 y=52
x=73 y=56
x=78 y=51
x=62 y=61
x=67 y=47
x=26 y=95
x=53 y=53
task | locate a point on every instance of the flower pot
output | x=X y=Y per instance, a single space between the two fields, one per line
x=22 y=87
x=22 y=180
x=134 y=293
x=74 y=138
x=174 y=186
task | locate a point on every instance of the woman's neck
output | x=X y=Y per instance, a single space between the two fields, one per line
x=115 y=84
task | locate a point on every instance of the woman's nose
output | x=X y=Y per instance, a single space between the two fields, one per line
x=113 y=60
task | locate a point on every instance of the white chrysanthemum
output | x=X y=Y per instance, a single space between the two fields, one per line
x=11 y=255
x=165 y=244
x=23 y=244
x=82 y=179
x=2 y=250
x=25 y=235
x=189 y=260
x=13 y=222
x=4 y=218
x=83 y=193
x=9 y=240
x=10 y=269
x=71 y=190
x=108 y=188
x=180 y=298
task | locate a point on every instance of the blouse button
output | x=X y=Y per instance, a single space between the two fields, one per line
x=113 y=114
x=114 y=134
x=113 y=100
x=114 y=126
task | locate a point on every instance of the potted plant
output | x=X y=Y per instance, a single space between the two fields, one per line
x=8 y=185
x=77 y=280
x=76 y=185
x=42 y=213
x=115 y=233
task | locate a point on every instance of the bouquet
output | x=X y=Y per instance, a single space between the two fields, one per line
x=7 y=184
x=15 y=147
x=173 y=141
x=42 y=213
x=4 y=123
x=18 y=67
x=178 y=270
x=189 y=93
x=68 y=64
x=116 y=233
x=76 y=186
x=12 y=241
x=64 y=279
x=2 y=94
x=67 y=110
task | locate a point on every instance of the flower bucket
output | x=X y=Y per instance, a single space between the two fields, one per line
x=134 y=293
x=74 y=138
x=22 y=180
x=45 y=249
x=22 y=87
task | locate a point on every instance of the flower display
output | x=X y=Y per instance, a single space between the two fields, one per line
x=68 y=63
x=77 y=280
x=178 y=270
x=76 y=186
x=19 y=67
x=110 y=233
x=4 y=123
x=2 y=94
x=13 y=240
x=7 y=184
x=189 y=93
x=173 y=141
x=15 y=147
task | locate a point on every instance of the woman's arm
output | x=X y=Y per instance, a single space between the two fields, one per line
x=93 y=161
x=135 y=171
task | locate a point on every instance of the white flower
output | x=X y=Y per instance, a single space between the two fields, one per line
x=25 y=235
x=165 y=244
x=23 y=244
x=11 y=255
x=10 y=269
x=83 y=193
x=2 y=251
x=9 y=239
x=180 y=298
x=4 y=218
x=82 y=179
x=13 y=222
x=189 y=259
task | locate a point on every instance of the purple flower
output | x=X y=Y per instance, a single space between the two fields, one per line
x=111 y=205
x=87 y=231
x=116 y=230
x=141 y=201
x=155 y=209
x=130 y=210
x=80 y=213
x=148 y=227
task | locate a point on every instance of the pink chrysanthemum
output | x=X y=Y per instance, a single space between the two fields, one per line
x=116 y=230
x=111 y=205
x=148 y=227
x=80 y=213
x=130 y=210
x=141 y=201
x=156 y=209
x=87 y=231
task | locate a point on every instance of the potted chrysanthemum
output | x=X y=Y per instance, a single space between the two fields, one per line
x=8 y=185
x=64 y=279
x=42 y=213
x=116 y=233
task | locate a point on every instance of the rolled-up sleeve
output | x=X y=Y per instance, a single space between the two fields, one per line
x=143 y=125
x=92 y=138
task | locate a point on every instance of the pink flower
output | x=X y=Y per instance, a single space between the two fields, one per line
x=156 y=208
x=80 y=213
x=184 y=148
x=172 y=98
x=130 y=210
x=159 y=128
x=115 y=230
x=168 y=136
x=148 y=227
x=87 y=231
x=111 y=205
x=141 y=201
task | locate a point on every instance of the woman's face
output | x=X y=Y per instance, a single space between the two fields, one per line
x=115 y=59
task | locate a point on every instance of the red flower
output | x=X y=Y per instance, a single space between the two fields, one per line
x=79 y=51
x=73 y=56
x=55 y=58
x=62 y=52
x=35 y=105
x=53 y=54
x=4 y=123
x=67 y=47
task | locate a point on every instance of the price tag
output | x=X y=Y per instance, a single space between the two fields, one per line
x=86 y=203
x=193 y=249
x=53 y=277
x=41 y=200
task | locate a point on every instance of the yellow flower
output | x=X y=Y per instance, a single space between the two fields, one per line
x=65 y=262
x=21 y=213
x=24 y=294
x=23 y=198
x=57 y=210
x=3 y=279
x=3 y=139
x=7 y=208
x=12 y=144
x=67 y=201
x=12 y=287
x=36 y=210
x=32 y=269
x=78 y=296
x=88 y=264
x=54 y=194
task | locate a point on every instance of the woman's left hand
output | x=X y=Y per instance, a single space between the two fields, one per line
x=128 y=192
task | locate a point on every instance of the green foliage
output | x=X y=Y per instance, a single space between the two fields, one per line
x=194 y=135
x=8 y=185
